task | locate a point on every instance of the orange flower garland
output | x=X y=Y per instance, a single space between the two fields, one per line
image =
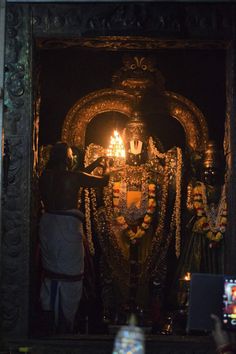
x=214 y=228
x=120 y=219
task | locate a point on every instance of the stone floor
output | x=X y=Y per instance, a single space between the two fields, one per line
x=103 y=344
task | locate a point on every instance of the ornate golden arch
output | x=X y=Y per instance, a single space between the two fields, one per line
x=85 y=109
x=191 y=118
x=106 y=100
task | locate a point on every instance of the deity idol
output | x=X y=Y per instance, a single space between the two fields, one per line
x=208 y=217
x=138 y=222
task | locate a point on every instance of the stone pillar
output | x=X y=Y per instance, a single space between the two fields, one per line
x=17 y=194
x=230 y=150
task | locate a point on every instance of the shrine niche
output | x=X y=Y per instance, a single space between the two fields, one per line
x=144 y=197
x=131 y=236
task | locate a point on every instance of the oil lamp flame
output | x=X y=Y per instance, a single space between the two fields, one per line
x=116 y=147
x=187 y=276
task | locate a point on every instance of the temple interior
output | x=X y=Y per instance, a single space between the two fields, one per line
x=143 y=92
x=197 y=74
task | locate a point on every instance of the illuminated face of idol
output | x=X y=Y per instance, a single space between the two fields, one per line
x=135 y=155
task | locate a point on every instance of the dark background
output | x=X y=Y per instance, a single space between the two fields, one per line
x=66 y=75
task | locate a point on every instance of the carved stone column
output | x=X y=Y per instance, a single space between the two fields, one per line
x=230 y=150
x=16 y=198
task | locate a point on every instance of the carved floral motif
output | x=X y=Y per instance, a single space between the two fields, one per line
x=137 y=18
x=16 y=197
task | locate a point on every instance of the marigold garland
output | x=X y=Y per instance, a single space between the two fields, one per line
x=88 y=225
x=212 y=227
x=147 y=219
x=178 y=202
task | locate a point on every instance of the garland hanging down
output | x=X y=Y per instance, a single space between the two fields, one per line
x=147 y=219
x=211 y=220
x=144 y=177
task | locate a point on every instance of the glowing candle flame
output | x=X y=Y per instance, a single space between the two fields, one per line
x=116 y=147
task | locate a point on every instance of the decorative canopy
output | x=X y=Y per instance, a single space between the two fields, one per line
x=129 y=86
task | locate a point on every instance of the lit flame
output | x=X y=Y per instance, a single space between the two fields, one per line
x=116 y=147
x=187 y=276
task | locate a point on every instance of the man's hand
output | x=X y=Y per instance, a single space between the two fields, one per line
x=100 y=161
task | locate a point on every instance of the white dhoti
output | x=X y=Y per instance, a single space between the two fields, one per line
x=63 y=261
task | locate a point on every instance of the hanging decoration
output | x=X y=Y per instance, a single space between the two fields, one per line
x=211 y=219
x=147 y=219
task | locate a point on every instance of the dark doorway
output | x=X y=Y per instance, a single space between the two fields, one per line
x=66 y=75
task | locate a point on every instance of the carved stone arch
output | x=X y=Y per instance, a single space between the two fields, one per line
x=191 y=118
x=85 y=109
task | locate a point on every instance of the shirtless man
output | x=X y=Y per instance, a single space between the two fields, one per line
x=60 y=233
